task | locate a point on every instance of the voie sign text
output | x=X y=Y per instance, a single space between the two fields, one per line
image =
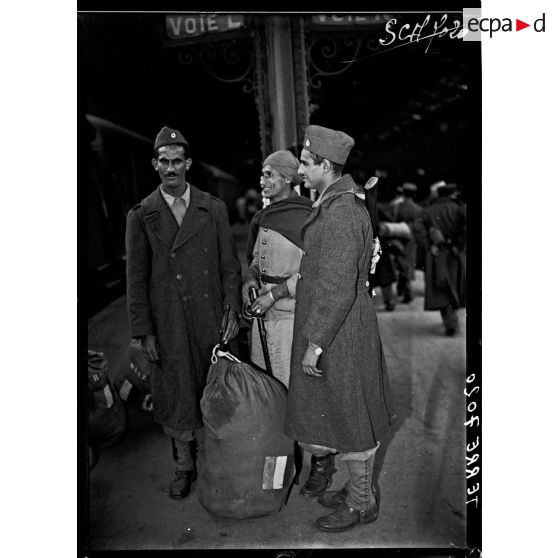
x=183 y=26
x=348 y=20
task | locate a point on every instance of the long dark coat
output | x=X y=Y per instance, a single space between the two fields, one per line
x=445 y=273
x=179 y=282
x=349 y=407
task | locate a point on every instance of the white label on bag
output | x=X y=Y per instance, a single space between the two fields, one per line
x=274 y=472
x=279 y=475
x=125 y=389
x=108 y=396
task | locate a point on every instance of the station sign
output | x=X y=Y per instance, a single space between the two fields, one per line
x=329 y=20
x=186 y=26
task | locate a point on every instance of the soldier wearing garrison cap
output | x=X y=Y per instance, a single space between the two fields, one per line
x=339 y=396
x=182 y=271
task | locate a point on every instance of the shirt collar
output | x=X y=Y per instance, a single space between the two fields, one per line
x=170 y=199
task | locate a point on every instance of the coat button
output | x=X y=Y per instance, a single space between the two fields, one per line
x=205 y=295
x=185 y=298
x=179 y=276
x=300 y=275
x=265 y=230
x=264 y=242
x=205 y=272
x=173 y=255
x=205 y=250
x=263 y=270
x=262 y=257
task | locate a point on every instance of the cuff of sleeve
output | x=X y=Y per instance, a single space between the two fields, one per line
x=252 y=273
x=280 y=291
x=316 y=340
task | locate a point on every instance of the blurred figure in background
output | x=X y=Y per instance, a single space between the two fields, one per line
x=397 y=200
x=441 y=230
x=248 y=205
x=385 y=275
x=274 y=252
x=406 y=211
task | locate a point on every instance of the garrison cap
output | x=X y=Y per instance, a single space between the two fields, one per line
x=168 y=136
x=333 y=145
x=409 y=187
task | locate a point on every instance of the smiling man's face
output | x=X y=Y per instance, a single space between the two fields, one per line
x=274 y=186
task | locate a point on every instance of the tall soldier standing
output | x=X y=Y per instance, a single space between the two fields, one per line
x=182 y=271
x=339 y=398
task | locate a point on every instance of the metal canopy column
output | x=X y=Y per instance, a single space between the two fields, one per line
x=279 y=56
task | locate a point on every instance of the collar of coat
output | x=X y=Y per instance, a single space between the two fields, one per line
x=344 y=185
x=158 y=217
x=156 y=202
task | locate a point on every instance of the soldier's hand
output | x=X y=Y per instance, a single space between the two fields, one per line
x=150 y=348
x=248 y=284
x=309 y=363
x=261 y=305
x=376 y=254
x=434 y=250
x=231 y=327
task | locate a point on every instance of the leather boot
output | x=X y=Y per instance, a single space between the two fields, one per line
x=360 y=505
x=181 y=485
x=332 y=498
x=185 y=472
x=319 y=480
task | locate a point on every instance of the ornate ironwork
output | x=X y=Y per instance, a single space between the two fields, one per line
x=332 y=55
x=228 y=61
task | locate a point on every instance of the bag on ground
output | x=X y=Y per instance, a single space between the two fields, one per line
x=107 y=414
x=134 y=379
x=246 y=463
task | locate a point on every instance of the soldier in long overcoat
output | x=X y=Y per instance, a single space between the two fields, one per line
x=441 y=230
x=182 y=271
x=339 y=397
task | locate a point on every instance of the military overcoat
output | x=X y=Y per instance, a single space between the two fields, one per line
x=444 y=279
x=349 y=407
x=179 y=281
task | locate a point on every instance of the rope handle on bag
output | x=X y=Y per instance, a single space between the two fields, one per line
x=217 y=353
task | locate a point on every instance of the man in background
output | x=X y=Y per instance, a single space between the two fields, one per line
x=441 y=229
x=406 y=211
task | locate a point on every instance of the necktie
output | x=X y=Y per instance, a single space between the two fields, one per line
x=179 y=209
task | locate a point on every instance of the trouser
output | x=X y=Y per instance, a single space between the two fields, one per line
x=360 y=464
x=279 y=335
x=182 y=445
x=449 y=317
x=387 y=294
x=404 y=285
